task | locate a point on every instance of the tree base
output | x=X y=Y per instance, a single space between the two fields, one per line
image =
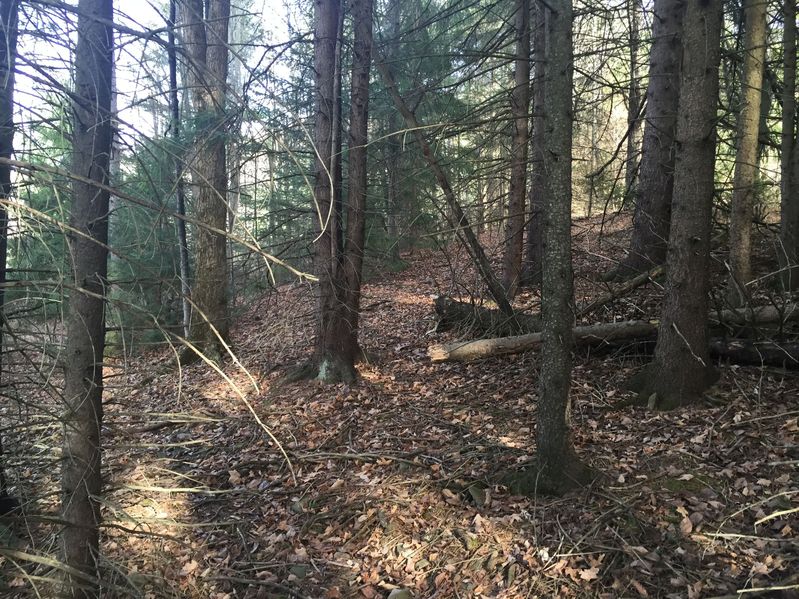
x=657 y=389
x=570 y=475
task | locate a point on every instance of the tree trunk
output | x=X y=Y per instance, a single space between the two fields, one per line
x=333 y=357
x=81 y=480
x=789 y=202
x=656 y=178
x=746 y=159
x=180 y=189
x=520 y=109
x=338 y=348
x=206 y=45
x=633 y=98
x=558 y=467
x=681 y=370
x=8 y=55
x=534 y=245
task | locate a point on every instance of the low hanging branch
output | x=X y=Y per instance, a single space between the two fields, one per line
x=461 y=223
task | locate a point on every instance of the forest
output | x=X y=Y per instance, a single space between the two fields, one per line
x=325 y=299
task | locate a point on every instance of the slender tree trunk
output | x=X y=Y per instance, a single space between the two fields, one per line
x=681 y=369
x=746 y=159
x=520 y=108
x=85 y=338
x=180 y=189
x=789 y=204
x=206 y=45
x=8 y=55
x=453 y=210
x=633 y=98
x=534 y=246
x=656 y=178
x=558 y=467
x=393 y=153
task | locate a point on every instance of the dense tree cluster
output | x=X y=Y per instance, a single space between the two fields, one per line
x=161 y=167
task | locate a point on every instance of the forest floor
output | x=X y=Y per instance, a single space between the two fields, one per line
x=393 y=483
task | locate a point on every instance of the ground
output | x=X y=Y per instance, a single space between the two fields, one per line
x=228 y=484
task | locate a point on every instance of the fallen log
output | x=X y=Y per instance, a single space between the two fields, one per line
x=769 y=353
x=453 y=314
x=466 y=351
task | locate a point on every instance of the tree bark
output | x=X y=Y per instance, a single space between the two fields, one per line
x=534 y=245
x=338 y=347
x=789 y=156
x=180 y=188
x=656 y=179
x=746 y=159
x=330 y=361
x=206 y=37
x=8 y=55
x=558 y=468
x=681 y=369
x=520 y=109
x=81 y=482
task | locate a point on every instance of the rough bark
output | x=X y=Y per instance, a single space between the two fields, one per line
x=656 y=178
x=206 y=38
x=681 y=369
x=338 y=348
x=8 y=53
x=330 y=360
x=81 y=482
x=789 y=156
x=453 y=211
x=558 y=468
x=180 y=189
x=534 y=244
x=520 y=109
x=746 y=158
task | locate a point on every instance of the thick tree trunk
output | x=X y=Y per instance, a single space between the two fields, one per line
x=180 y=189
x=8 y=55
x=453 y=211
x=681 y=370
x=789 y=204
x=81 y=481
x=206 y=45
x=656 y=178
x=331 y=350
x=746 y=159
x=338 y=346
x=558 y=467
x=534 y=245
x=520 y=109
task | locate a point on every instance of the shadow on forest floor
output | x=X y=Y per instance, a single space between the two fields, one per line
x=393 y=482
